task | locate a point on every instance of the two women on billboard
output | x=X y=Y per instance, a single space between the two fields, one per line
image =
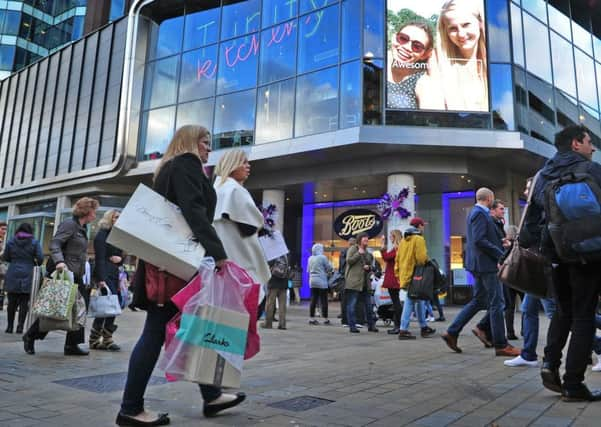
x=437 y=55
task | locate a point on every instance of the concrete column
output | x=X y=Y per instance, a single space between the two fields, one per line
x=395 y=184
x=62 y=203
x=277 y=198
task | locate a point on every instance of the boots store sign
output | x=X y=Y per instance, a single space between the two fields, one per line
x=356 y=221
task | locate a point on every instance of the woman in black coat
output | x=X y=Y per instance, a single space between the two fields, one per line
x=181 y=179
x=23 y=252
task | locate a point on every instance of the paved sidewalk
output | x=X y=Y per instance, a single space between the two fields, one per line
x=357 y=379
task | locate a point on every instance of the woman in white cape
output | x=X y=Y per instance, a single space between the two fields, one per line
x=237 y=219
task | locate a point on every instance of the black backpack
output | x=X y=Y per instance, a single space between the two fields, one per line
x=573 y=211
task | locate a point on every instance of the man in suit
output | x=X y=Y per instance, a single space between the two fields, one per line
x=484 y=249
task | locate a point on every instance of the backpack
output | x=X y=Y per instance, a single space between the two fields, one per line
x=573 y=211
x=280 y=268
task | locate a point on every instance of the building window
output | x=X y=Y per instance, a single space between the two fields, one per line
x=501 y=93
x=201 y=25
x=517 y=35
x=275 y=111
x=117 y=9
x=238 y=64
x=166 y=37
x=196 y=113
x=10 y=23
x=563 y=64
x=537 y=8
x=559 y=17
x=7 y=57
x=318 y=39
x=373 y=28
x=350 y=95
x=541 y=114
x=351 y=29
x=199 y=70
x=317 y=102
x=239 y=18
x=276 y=11
x=536 y=39
x=234 y=119
x=161 y=82
x=498 y=31
x=278 y=52
x=312 y=5
x=157 y=131
x=585 y=72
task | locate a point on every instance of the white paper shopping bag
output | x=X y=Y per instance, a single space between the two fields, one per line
x=274 y=246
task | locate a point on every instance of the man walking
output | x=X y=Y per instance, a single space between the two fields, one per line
x=484 y=249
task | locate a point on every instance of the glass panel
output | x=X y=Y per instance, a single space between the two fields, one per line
x=536 y=37
x=518 y=37
x=567 y=110
x=521 y=99
x=582 y=38
x=373 y=75
x=234 y=119
x=498 y=31
x=11 y=22
x=161 y=82
x=501 y=92
x=317 y=102
x=240 y=17
x=311 y=5
x=276 y=11
x=117 y=9
x=541 y=114
x=563 y=64
x=166 y=37
x=202 y=23
x=7 y=57
x=278 y=48
x=350 y=95
x=275 y=111
x=598 y=68
x=559 y=19
x=373 y=28
x=351 y=29
x=597 y=43
x=198 y=74
x=158 y=130
x=537 y=8
x=318 y=39
x=238 y=64
x=585 y=70
x=196 y=113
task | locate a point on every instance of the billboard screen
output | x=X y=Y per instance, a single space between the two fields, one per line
x=436 y=56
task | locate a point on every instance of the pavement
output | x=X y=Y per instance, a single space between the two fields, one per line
x=304 y=376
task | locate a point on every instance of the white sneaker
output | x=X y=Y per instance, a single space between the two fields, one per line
x=519 y=361
x=597 y=367
x=358 y=326
x=430 y=319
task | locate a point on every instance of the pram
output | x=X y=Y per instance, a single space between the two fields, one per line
x=382 y=301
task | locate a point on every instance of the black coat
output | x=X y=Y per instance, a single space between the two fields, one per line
x=104 y=269
x=183 y=182
x=70 y=245
x=22 y=254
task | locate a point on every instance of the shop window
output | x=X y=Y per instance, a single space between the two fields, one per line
x=238 y=64
x=372 y=91
x=317 y=102
x=234 y=119
x=239 y=18
x=199 y=70
x=563 y=64
x=351 y=29
x=536 y=38
x=196 y=113
x=278 y=52
x=498 y=31
x=501 y=92
x=373 y=28
x=201 y=26
x=275 y=111
x=537 y=8
x=318 y=39
x=559 y=17
x=276 y=11
x=312 y=5
x=517 y=35
x=166 y=36
x=161 y=82
x=350 y=95
x=585 y=71
x=157 y=131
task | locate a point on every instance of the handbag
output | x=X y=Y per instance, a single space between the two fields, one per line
x=422 y=283
x=56 y=297
x=526 y=269
x=76 y=320
x=104 y=305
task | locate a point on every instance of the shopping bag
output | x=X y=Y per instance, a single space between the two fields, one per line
x=124 y=289
x=104 y=305
x=273 y=245
x=422 y=283
x=56 y=297
x=77 y=318
x=35 y=287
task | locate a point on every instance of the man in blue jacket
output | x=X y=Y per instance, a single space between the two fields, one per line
x=484 y=249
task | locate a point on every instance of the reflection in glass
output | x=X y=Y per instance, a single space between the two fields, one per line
x=202 y=24
x=318 y=39
x=498 y=31
x=275 y=112
x=541 y=115
x=166 y=37
x=563 y=64
x=234 y=119
x=373 y=28
x=501 y=92
x=517 y=35
x=521 y=99
x=560 y=21
x=350 y=95
x=597 y=45
x=598 y=68
x=351 y=29
x=161 y=82
x=238 y=64
x=277 y=56
x=373 y=76
x=537 y=8
x=7 y=57
x=240 y=17
x=582 y=38
x=585 y=70
x=199 y=68
x=536 y=37
x=276 y=11
x=311 y=5
x=317 y=102
x=157 y=131
x=567 y=110
x=196 y=113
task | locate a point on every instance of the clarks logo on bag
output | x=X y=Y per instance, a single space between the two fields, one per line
x=212 y=339
x=356 y=221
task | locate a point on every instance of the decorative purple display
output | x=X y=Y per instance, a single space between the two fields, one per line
x=391 y=204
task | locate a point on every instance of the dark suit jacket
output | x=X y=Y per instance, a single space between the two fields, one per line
x=484 y=244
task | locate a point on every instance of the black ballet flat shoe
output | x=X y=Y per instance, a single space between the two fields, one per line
x=28 y=345
x=210 y=410
x=75 y=350
x=125 y=420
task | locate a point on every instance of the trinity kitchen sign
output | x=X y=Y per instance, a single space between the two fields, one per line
x=356 y=221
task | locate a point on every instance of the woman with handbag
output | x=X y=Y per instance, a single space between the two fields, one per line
x=23 y=252
x=181 y=179
x=68 y=251
x=106 y=275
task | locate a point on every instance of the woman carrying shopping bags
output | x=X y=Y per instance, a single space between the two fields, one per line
x=68 y=251
x=23 y=252
x=180 y=177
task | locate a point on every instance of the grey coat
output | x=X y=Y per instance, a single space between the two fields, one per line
x=70 y=245
x=319 y=268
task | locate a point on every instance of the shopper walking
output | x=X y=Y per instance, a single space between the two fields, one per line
x=23 y=252
x=359 y=265
x=319 y=269
x=277 y=291
x=391 y=283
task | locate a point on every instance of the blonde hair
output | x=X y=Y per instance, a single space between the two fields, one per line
x=84 y=206
x=185 y=140
x=228 y=163
x=396 y=237
x=107 y=219
x=452 y=67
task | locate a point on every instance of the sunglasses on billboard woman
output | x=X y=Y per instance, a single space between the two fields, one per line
x=416 y=45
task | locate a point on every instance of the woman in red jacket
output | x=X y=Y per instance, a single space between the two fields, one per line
x=390 y=281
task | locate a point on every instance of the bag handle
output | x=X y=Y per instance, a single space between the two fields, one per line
x=528 y=203
x=62 y=275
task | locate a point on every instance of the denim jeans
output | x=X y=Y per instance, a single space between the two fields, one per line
x=420 y=312
x=530 y=309
x=363 y=297
x=488 y=294
x=144 y=357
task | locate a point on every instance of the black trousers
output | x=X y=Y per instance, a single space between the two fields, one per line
x=322 y=296
x=17 y=301
x=510 y=295
x=577 y=290
x=436 y=303
x=396 y=304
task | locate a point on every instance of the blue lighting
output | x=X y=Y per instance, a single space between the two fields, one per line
x=446 y=218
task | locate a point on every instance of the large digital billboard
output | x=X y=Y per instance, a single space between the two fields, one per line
x=436 y=56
